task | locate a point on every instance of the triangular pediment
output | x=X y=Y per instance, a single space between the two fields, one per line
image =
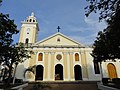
x=58 y=39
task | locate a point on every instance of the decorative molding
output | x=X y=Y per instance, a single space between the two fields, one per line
x=65 y=52
x=70 y=52
x=52 y=52
x=46 y=52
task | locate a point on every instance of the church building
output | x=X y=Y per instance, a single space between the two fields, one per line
x=59 y=57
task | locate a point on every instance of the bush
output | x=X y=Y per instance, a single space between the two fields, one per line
x=16 y=80
x=105 y=80
x=116 y=80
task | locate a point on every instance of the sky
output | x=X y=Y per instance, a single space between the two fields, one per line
x=68 y=14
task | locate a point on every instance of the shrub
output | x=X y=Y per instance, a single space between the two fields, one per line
x=116 y=80
x=105 y=80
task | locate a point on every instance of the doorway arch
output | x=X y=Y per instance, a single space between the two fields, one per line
x=112 y=70
x=78 y=72
x=58 y=72
x=39 y=72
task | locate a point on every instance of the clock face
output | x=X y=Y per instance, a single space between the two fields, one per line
x=28 y=30
x=59 y=57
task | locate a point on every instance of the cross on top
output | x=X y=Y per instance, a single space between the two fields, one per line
x=58 y=28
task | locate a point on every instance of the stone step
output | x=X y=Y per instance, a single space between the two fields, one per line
x=66 y=82
x=71 y=85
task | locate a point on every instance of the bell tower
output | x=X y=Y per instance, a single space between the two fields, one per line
x=29 y=30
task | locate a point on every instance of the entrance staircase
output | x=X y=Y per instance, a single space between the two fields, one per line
x=68 y=85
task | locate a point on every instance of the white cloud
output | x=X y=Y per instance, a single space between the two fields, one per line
x=90 y=31
x=94 y=23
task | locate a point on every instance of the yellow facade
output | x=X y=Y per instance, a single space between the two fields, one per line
x=59 y=54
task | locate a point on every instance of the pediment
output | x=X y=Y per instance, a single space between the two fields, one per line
x=58 y=39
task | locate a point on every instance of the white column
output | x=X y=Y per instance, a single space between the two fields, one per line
x=68 y=66
x=49 y=66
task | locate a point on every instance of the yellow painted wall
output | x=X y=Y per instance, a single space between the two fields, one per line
x=71 y=66
x=21 y=35
x=65 y=65
x=84 y=65
x=46 y=65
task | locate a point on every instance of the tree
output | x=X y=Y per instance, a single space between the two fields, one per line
x=107 y=45
x=10 y=53
x=16 y=55
x=107 y=8
x=7 y=29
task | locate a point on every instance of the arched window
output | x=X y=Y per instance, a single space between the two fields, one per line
x=27 y=40
x=40 y=57
x=76 y=57
x=96 y=68
x=58 y=39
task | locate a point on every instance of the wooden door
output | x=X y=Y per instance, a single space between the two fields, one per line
x=111 y=71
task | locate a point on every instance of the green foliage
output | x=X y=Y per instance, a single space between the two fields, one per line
x=107 y=45
x=10 y=53
x=107 y=8
x=0 y=2
x=7 y=29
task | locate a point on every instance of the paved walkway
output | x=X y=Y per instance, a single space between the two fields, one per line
x=76 y=85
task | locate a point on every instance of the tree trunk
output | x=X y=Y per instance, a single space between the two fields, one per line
x=9 y=77
x=14 y=73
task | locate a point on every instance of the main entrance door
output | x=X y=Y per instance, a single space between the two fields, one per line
x=58 y=72
x=39 y=72
x=77 y=72
x=111 y=71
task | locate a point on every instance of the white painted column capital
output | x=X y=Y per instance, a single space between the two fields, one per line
x=70 y=52
x=52 y=52
x=65 y=53
x=46 y=52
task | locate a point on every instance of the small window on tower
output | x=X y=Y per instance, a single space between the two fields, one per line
x=27 y=40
